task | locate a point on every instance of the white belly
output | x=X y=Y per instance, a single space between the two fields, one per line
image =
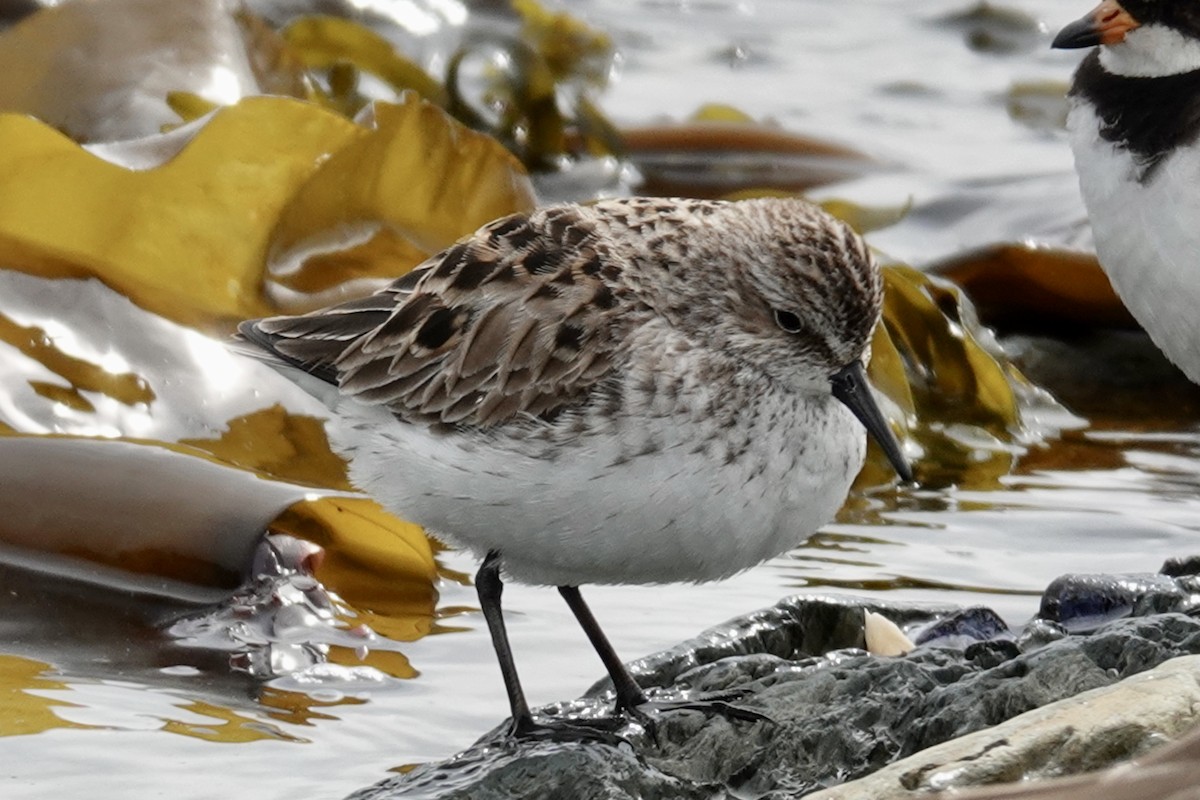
x=1147 y=236
x=594 y=515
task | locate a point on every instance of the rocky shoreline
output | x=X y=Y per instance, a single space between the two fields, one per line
x=1104 y=672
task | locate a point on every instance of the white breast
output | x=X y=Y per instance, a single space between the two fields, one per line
x=683 y=512
x=1147 y=235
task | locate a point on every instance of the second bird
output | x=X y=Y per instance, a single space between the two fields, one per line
x=1135 y=131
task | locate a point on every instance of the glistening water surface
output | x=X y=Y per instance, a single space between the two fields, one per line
x=100 y=702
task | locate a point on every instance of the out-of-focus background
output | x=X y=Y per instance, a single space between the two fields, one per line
x=167 y=168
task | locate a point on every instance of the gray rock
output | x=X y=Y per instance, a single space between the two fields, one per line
x=1087 y=732
x=839 y=714
x=512 y=771
x=1171 y=772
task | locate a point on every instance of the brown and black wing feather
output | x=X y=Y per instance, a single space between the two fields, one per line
x=312 y=342
x=517 y=319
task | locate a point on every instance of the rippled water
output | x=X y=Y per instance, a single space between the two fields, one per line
x=136 y=715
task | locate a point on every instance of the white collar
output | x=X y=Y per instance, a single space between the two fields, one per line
x=1152 y=51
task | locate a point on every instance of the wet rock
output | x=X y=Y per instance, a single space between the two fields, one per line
x=1171 y=772
x=793 y=629
x=1039 y=633
x=975 y=624
x=838 y=713
x=1082 y=602
x=507 y=771
x=1181 y=567
x=1084 y=733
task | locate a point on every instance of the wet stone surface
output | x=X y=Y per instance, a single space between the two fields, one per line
x=838 y=713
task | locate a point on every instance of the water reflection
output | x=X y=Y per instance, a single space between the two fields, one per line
x=1112 y=498
x=78 y=656
x=175 y=383
x=28 y=701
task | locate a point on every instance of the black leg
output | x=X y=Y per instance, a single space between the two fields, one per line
x=631 y=699
x=629 y=694
x=490 y=587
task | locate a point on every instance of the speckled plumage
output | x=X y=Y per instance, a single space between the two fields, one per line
x=635 y=391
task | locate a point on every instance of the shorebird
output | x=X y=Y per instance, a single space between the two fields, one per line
x=1135 y=131
x=638 y=391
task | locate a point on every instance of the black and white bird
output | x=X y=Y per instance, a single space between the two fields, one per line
x=1135 y=130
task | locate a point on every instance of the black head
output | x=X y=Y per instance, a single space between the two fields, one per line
x=1113 y=20
x=1181 y=15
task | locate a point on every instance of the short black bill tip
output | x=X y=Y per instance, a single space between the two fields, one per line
x=1080 y=33
x=853 y=390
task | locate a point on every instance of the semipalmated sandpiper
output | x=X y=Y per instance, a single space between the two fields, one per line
x=635 y=391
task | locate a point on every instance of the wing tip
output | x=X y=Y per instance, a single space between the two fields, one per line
x=249 y=331
x=255 y=341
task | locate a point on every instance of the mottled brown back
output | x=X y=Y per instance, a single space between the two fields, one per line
x=516 y=319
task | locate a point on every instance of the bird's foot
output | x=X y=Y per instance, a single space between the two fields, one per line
x=722 y=704
x=600 y=730
x=642 y=712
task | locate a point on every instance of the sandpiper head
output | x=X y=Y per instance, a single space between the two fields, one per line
x=776 y=283
x=783 y=287
x=1139 y=38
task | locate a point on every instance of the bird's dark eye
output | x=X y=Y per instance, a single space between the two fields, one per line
x=788 y=321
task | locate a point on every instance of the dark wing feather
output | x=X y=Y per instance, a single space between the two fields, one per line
x=517 y=319
x=312 y=342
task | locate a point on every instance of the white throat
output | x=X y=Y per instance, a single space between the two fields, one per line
x=1152 y=51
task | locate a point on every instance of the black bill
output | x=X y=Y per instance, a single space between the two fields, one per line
x=1080 y=33
x=1107 y=23
x=851 y=387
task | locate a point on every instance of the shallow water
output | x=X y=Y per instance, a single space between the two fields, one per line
x=125 y=712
